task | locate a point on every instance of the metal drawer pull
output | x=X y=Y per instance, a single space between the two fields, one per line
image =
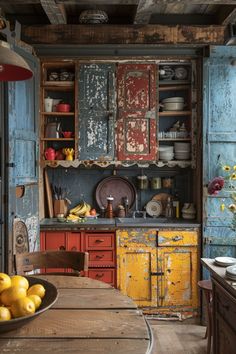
x=99 y=240
x=177 y=238
x=157 y=273
x=99 y=256
x=99 y=275
x=73 y=248
x=62 y=248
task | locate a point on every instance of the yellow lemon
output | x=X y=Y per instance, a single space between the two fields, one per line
x=5 y=314
x=18 y=280
x=36 y=300
x=22 y=307
x=5 y=281
x=11 y=294
x=36 y=289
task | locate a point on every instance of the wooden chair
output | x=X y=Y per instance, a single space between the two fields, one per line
x=61 y=260
x=206 y=287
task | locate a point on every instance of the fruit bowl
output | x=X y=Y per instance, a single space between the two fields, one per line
x=49 y=299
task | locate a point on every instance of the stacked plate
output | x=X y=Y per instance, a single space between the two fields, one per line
x=231 y=272
x=166 y=152
x=182 y=151
x=225 y=261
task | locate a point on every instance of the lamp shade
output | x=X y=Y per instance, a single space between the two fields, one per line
x=12 y=66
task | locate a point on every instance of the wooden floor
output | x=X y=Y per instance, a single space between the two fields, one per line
x=178 y=338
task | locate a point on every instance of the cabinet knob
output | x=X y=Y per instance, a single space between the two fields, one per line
x=62 y=248
x=99 y=240
x=177 y=238
x=99 y=256
x=99 y=275
x=73 y=248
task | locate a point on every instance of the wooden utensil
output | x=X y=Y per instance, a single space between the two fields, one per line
x=48 y=194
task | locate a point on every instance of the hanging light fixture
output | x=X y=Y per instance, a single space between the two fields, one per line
x=12 y=66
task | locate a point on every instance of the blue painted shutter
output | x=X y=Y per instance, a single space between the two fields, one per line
x=219 y=141
x=97 y=111
x=22 y=114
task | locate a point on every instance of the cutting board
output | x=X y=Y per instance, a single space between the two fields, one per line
x=48 y=194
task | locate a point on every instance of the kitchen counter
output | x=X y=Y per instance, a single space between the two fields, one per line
x=223 y=309
x=104 y=223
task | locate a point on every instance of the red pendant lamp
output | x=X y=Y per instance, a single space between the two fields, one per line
x=12 y=66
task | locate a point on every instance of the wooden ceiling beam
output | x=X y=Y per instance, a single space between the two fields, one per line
x=227 y=15
x=144 y=11
x=116 y=34
x=55 y=12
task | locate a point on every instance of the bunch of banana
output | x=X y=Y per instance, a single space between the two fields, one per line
x=81 y=209
x=73 y=218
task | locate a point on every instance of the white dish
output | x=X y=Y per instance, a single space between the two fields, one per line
x=231 y=270
x=231 y=277
x=92 y=216
x=225 y=261
x=154 y=208
x=173 y=99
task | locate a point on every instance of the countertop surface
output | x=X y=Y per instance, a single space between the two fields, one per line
x=119 y=223
x=218 y=273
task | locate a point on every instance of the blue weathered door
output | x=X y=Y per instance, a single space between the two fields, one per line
x=97 y=111
x=22 y=115
x=219 y=145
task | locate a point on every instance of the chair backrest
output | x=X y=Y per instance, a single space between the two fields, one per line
x=26 y=262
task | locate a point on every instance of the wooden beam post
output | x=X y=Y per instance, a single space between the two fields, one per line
x=132 y=34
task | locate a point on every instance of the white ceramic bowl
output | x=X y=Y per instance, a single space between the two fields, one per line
x=182 y=146
x=166 y=148
x=173 y=99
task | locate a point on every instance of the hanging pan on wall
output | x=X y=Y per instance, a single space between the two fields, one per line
x=118 y=188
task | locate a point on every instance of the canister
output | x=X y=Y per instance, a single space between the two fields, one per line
x=167 y=182
x=142 y=182
x=156 y=183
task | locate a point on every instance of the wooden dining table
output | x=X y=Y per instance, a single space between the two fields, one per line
x=88 y=317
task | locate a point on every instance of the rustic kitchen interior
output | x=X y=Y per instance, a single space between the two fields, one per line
x=111 y=146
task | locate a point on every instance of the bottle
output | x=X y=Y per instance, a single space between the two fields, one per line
x=169 y=212
x=109 y=211
x=176 y=205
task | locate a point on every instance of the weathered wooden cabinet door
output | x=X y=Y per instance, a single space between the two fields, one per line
x=177 y=283
x=97 y=111
x=22 y=114
x=136 y=266
x=136 y=126
x=219 y=144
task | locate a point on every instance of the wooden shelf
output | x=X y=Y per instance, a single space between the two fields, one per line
x=59 y=83
x=173 y=83
x=58 y=113
x=57 y=139
x=174 y=139
x=174 y=113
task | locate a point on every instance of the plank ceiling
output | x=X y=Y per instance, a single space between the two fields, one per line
x=125 y=12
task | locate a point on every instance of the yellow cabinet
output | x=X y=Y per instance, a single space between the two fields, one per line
x=159 y=269
x=136 y=265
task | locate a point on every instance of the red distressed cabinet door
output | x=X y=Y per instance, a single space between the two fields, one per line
x=136 y=126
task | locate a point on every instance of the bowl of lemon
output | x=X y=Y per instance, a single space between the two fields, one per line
x=22 y=298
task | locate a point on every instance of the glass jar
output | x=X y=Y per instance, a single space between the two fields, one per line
x=167 y=182
x=142 y=182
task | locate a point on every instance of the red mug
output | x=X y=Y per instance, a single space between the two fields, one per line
x=50 y=154
x=63 y=107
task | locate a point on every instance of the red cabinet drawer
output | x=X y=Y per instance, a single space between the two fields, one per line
x=100 y=241
x=106 y=275
x=101 y=258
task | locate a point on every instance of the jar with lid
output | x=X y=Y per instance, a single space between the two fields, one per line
x=167 y=182
x=142 y=182
x=109 y=210
x=169 y=212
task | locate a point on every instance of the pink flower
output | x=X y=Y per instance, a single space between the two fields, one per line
x=215 y=185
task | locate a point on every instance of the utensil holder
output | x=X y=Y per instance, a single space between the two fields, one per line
x=60 y=207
